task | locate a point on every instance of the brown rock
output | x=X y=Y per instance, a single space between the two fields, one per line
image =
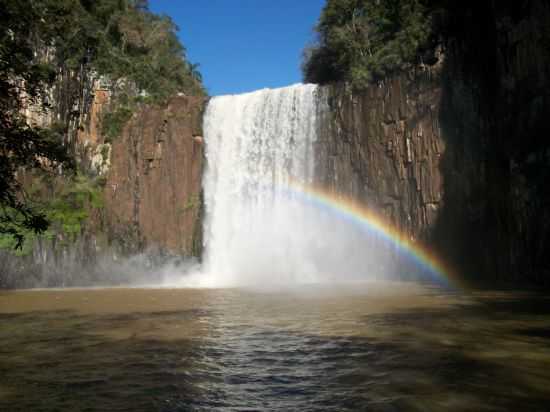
x=153 y=192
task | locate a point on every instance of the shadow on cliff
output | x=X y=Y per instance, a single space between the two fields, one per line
x=494 y=225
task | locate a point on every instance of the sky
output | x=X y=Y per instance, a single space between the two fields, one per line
x=244 y=45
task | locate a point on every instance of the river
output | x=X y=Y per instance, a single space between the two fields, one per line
x=362 y=346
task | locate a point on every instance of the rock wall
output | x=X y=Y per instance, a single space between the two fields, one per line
x=382 y=148
x=459 y=155
x=153 y=190
x=494 y=108
x=152 y=203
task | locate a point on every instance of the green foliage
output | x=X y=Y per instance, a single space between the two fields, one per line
x=70 y=207
x=105 y=152
x=19 y=246
x=113 y=122
x=24 y=80
x=364 y=40
x=133 y=50
x=140 y=55
x=192 y=202
x=67 y=211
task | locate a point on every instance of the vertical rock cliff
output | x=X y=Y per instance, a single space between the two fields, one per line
x=382 y=147
x=151 y=202
x=459 y=155
x=494 y=108
x=153 y=190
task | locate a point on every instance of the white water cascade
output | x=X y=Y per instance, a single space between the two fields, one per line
x=257 y=229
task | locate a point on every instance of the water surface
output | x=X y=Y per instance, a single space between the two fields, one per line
x=367 y=346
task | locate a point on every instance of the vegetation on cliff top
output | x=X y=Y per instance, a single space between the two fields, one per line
x=140 y=59
x=363 y=40
x=133 y=52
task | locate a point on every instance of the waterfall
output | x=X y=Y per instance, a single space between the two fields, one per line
x=257 y=229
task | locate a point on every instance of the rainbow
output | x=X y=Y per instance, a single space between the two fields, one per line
x=350 y=211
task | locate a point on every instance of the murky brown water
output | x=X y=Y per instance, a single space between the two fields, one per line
x=376 y=347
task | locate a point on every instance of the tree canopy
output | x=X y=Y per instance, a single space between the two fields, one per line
x=362 y=40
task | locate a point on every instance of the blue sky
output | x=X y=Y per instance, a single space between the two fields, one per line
x=244 y=45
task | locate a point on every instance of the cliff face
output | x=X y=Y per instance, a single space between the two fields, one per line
x=153 y=190
x=459 y=156
x=152 y=202
x=495 y=100
x=383 y=148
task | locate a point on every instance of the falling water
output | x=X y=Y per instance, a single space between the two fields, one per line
x=256 y=229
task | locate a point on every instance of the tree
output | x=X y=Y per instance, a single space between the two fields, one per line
x=363 y=40
x=51 y=52
x=24 y=80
